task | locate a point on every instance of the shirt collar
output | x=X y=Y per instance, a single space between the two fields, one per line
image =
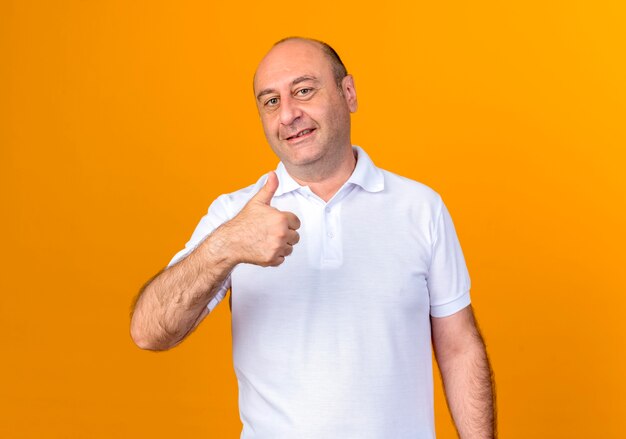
x=365 y=174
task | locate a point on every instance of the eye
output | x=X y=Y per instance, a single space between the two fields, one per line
x=304 y=91
x=271 y=102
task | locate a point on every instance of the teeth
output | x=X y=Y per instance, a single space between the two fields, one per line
x=302 y=133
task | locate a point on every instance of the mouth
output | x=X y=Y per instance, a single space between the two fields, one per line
x=300 y=135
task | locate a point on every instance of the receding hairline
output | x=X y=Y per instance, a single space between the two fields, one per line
x=336 y=64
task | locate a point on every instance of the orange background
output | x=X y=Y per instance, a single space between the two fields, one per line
x=121 y=121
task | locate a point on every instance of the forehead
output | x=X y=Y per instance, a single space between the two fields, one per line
x=290 y=60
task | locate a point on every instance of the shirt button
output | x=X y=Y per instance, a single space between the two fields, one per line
x=330 y=234
x=328 y=210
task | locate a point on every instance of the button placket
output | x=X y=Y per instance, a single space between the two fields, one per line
x=332 y=244
x=328 y=223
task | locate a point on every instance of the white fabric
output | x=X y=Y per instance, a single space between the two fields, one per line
x=335 y=342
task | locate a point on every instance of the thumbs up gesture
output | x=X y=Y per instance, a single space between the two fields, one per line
x=261 y=234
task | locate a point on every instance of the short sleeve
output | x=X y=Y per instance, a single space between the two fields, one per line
x=448 y=279
x=217 y=215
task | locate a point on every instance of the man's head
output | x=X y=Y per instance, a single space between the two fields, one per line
x=305 y=98
x=339 y=69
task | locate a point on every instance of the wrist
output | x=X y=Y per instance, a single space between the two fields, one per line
x=220 y=247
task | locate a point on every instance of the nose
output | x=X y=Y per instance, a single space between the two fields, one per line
x=290 y=111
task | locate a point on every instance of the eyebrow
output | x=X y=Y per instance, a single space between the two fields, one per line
x=298 y=80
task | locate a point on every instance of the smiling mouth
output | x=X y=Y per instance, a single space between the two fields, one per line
x=301 y=134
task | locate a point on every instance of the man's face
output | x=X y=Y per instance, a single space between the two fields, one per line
x=305 y=115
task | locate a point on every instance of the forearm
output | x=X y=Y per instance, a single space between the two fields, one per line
x=469 y=387
x=170 y=305
x=174 y=302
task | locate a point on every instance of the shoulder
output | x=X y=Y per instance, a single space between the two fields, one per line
x=231 y=203
x=417 y=202
x=410 y=191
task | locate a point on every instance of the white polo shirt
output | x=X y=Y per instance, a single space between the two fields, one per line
x=335 y=342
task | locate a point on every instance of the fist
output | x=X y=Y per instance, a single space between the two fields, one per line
x=261 y=234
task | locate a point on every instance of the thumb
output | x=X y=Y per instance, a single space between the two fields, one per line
x=266 y=193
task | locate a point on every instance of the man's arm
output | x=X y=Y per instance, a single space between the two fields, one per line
x=174 y=302
x=171 y=304
x=466 y=374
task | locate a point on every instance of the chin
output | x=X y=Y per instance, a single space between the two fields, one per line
x=305 y=157
x=298 y=156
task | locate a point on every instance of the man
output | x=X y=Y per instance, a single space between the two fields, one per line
x=341 y=274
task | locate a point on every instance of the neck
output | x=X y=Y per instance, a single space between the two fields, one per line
x=325 y=181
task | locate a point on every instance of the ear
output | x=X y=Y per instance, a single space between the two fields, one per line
x=349 y=92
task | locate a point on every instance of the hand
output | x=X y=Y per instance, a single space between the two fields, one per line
x=261 y=234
